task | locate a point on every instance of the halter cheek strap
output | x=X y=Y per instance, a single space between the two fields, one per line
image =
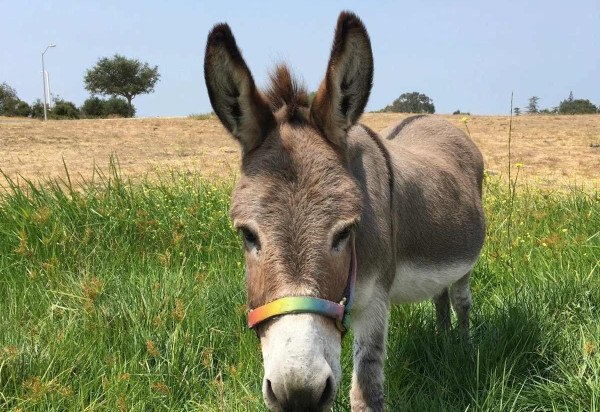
x=308 y=304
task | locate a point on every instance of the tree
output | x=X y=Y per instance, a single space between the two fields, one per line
x=517 y=111
x=120 y=76
x=413 y=102
x=577 y=106
x=532 y=107
x=7 y=97
x=10 y=104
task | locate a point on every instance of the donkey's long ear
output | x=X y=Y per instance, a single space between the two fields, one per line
x=344 y=92
x=233 y=94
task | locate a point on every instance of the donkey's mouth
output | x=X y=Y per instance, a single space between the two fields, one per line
x=300 y=400
x=301 y=355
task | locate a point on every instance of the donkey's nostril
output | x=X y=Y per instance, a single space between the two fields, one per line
x=327 y=393
x=315 y=395
x=269 y=392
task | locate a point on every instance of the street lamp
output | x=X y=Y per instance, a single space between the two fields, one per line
x=44 y=79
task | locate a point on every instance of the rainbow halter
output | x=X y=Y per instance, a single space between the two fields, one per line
x=308 y=304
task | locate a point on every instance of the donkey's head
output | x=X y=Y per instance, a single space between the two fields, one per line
x=296 y=203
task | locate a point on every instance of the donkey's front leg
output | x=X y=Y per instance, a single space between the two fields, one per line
x=370 y=333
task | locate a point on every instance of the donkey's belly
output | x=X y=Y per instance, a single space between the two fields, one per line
x=415 y=282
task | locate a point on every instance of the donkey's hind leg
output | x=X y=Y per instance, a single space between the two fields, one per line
x=442 y=311
x=460 y=295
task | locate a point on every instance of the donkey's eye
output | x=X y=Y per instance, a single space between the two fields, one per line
x=250 y=238
x=340 y=238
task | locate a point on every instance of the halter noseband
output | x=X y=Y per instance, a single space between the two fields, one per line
x=308 y=304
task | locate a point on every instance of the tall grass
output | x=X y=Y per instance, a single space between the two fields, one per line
x=130 y=296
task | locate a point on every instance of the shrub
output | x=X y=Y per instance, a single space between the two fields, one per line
x=37 y=109
x=117 y=106
x=23 y=109
x=553 y=110
x=93 y=107
x=64 y=110
x=457 y=112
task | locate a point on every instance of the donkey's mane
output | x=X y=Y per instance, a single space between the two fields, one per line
x=287 y=92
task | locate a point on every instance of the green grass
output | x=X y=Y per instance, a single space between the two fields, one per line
x=118 y=295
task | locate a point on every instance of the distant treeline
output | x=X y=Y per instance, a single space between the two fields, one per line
x=93 y=108
x=415 y=102
x=119 y=78
x=570 y=105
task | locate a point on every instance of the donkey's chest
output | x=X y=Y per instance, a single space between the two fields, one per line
x=415 y=281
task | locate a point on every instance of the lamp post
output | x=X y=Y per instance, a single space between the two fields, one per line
x=48 y=91
x=44 y=79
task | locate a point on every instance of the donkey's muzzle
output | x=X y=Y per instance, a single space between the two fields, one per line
x=298 y=391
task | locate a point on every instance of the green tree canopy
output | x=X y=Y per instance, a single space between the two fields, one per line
x=532 y=107
x=576 y=106
x=10 y=104
x=120 y=76
x=412 y=102
x=7 y=94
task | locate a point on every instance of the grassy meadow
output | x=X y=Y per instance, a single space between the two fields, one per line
x=118 y=295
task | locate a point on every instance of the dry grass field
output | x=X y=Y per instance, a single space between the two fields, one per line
x=555 y=151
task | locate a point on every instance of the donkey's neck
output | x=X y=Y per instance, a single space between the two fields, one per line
x=371 y=166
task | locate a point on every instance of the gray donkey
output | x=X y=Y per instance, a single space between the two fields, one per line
x=338 y=222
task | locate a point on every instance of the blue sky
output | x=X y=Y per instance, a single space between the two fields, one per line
x=467 y=55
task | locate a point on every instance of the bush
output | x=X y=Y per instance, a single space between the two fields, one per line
x=64 y=110
x=15 y=107
x=457 y=112
x=116 y=106
x=37 y=109
x=23 y=109
x=93 y=108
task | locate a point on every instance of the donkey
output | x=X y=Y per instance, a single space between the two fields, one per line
x=337 y=221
